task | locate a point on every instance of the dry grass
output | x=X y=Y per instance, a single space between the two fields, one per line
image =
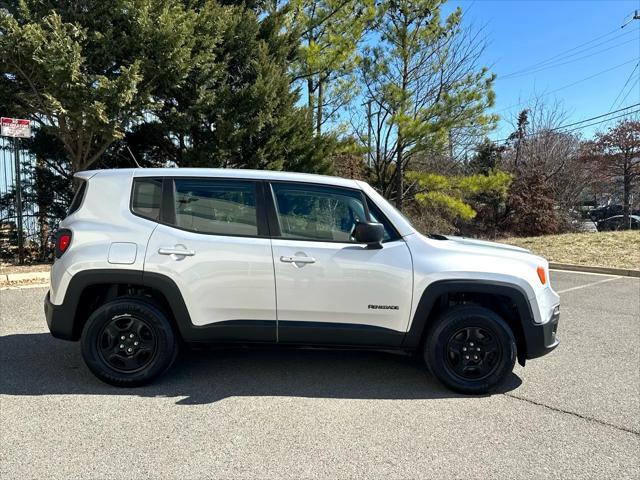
x=9 y=268
x=602 y=249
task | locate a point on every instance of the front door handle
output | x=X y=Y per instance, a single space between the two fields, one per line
x=297 y=259
x=176 y=251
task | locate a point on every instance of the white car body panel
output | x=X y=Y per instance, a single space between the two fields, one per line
x=103 y=219
x=467 y=259
x=345 y=283
x=228 y=278
x=232 y=278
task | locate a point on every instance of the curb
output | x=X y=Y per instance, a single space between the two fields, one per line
x=25 y=277
x=587 y=269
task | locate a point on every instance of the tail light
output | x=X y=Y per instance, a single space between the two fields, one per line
x=62 y=240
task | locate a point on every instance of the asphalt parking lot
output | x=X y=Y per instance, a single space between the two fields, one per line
x=242 y=413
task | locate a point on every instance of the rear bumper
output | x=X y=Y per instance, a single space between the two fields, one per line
x=59 y=321
x=541 y=338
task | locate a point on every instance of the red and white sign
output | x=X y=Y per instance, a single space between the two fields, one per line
x=15 y=127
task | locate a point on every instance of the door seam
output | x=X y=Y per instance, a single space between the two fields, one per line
x=275 y=289
x=146 y=249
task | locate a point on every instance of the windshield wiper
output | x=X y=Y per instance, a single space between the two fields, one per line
x=436 y=236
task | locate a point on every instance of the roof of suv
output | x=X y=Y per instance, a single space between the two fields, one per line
x=222 y=172
x=122 y=174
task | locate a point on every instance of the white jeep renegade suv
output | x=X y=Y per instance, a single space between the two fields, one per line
x=148 y=257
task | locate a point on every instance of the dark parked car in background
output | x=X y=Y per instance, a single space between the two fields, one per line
x=617 y=223
x=608 y=211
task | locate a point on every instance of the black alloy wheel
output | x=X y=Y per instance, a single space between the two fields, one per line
x=127 y=343
x=473 y=353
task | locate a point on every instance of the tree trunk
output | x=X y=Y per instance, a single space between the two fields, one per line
x=311 y=101
x=399 y=175
x=319 y=107
x=402 y=110
x=626 y=198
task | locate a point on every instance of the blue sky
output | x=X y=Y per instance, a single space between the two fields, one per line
x=525 y=33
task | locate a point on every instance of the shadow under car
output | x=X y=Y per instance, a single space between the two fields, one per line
x=38 y=364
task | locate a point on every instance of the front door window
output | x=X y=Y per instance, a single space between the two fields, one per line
x=318 y=213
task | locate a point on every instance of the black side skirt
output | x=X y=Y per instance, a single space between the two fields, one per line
x=348 y=334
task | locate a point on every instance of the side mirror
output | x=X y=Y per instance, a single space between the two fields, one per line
x=369 y=233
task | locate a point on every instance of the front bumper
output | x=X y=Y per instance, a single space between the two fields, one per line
x=541 y=338
x=59 y=321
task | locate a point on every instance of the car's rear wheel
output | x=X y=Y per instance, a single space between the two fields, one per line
x=128 y=342
x=470 y=349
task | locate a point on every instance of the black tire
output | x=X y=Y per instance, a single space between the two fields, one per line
x=128 y=323
x=478 y=332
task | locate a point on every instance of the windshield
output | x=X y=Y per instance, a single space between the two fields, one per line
x=404 y=217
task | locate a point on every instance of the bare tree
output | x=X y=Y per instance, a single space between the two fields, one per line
x=538 y=147
x=617 y=154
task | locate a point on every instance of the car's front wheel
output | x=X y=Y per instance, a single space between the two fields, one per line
x=128 y=342
x=470 y=349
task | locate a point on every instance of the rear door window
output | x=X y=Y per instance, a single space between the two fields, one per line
x=216 y=206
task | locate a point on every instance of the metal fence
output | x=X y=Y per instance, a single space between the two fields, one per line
x=10 y=215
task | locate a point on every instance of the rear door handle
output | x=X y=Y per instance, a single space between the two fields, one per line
x=176 y=251
x=298 y=259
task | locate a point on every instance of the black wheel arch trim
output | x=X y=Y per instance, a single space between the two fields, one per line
x=533 y=340
x=62 y=319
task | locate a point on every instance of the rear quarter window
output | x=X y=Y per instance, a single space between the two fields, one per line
x=146 y=198
x=78 y=197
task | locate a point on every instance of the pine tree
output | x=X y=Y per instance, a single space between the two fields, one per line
x=256 y=121
x=85 y=70
x=487 y=157
x=423 y=82
x=193 y=83
x=330 y=31
x=236 y=107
